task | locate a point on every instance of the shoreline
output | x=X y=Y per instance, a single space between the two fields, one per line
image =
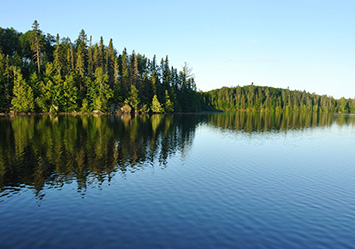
x=96 y=113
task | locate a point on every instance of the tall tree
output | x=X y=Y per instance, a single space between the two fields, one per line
x=101 y=55
x=90 y=59
x=110 y=63
x=58 y=56
x=37 y=43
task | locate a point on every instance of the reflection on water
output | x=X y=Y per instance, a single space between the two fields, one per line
x=35 y=151
x=245 y=180
x=40 y=151
x=266 y=121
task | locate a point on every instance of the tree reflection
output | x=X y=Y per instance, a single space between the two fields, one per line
x=49 y=151
x=276 y=121
x=40 y=151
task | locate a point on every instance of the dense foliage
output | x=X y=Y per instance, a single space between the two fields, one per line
x=260 y=98
x=41 y=73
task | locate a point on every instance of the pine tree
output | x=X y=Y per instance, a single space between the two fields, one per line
x=156 y=106
x=69 y=94
x=36 y=44
x=101 y=54
x=58 y=57
x=169 y=106
x=23 y=94
x=110 y=63
x=124 y=88
x=80 y=62
x=102 y=90
x=71 y=57
x=90 y=59
x=133 y=98
x=47 y=91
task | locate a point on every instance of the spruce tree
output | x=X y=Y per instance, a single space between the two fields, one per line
x=156 y=106
x=133 y=98
x=169 y=106
x=37 y=44
x=23 y=94
x=102 y=92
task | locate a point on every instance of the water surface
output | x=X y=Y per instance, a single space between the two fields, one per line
x=231 y=180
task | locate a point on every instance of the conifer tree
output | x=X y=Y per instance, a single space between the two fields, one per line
x=90 y=59
x=69 y=94
x=47 y=91
x=58 y=56
x=102 y=92
x=96 y=59
x=23 y=94
x=71 y=58
x=101 y=54
x=133 y=98
x=36 y=44
x=156 y=106
x=110 y=63
x=169 y=106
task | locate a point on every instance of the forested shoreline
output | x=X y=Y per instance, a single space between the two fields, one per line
x=42 y=73
x=263 y=98
x=47 y=74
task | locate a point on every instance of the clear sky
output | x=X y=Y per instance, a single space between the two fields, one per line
x=300 y=44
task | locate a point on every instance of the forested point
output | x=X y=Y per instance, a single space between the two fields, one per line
x=44 y=73
x=263 y=98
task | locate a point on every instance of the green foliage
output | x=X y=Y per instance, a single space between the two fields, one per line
x=260 y=98
x=133 y=98
x=169 y=106
x=23 y=94
x=69 y=94
x=84 y=77
x=48 y=90
x=101 y=91
x=156 y=106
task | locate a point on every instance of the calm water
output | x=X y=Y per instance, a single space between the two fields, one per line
x=185 y=181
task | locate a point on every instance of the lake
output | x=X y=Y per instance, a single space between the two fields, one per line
x=229 y=180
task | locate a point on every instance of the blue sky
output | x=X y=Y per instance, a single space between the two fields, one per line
x=300 y=44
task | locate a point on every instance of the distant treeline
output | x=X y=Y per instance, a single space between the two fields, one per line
x=43 y=73
x=260 y=98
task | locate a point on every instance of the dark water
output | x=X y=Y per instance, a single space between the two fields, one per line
x=185 y=181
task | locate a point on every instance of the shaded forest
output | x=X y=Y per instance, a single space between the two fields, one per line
x=263 y=98
x=43 y=73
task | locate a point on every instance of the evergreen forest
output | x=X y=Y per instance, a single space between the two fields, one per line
x=262 y=98
x=43 y=73
x=50 y=74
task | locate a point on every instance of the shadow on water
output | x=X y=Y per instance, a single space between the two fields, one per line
x=50 y=151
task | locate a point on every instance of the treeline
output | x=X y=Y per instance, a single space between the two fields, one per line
x=43 y=73
x=260 y=98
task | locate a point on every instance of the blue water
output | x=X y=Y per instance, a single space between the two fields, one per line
x=186 y=182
